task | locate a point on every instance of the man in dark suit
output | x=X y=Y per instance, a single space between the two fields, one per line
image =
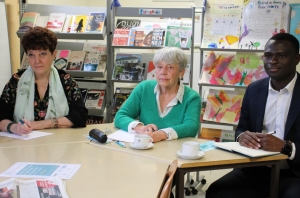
x=270 y=104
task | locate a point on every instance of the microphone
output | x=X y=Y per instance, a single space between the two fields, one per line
x=98 y=135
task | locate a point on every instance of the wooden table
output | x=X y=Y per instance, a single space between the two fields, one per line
x=164 y=151
x=61 y=135
x=103 y=172
x=215 y=159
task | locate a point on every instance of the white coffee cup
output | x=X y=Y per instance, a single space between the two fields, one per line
x=142 y=140
x=190 y=148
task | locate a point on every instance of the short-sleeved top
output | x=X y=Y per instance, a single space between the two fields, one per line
x=77 y=110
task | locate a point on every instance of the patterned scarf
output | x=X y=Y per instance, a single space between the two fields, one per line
x=57 y=104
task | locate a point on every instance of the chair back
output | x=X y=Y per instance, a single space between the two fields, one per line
x=166 y=187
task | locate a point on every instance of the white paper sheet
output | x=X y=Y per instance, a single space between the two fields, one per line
x=41 y=170
x=122 y=136
x=32 y=135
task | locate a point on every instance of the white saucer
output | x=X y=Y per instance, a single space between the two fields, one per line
x=200 y=155
x=150 y=145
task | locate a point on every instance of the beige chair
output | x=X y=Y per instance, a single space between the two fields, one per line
x=166 y=186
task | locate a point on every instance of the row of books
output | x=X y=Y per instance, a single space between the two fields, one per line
x=175 y=33
x=76 y=60
x=61 y=22
x=133 y=67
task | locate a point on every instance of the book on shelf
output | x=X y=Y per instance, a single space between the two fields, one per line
x=120 y=37
x=223 y=106
x=76 y=60
x=179 y=33
x=83 y=93
x=131 y=37
x=67 y=24
x=62 y=57
x=94 y=98
x=158 y=37
x=236 y=147
x=186 y=77
x=128 y=67
x=94 y=47
x=95 y=22
x=42 y=21
x=92 y=119
x=91 y=61
x=127 y=23
x=56 y=21
x=28 y=20
x=151 y=73
x=101 y=49
x=24 y=63
x=120 y=96
x=143 y=36
x=78 y=23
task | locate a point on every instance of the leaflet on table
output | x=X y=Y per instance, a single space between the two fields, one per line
x=122 y=136
x=39 y=188
x=32 y=135
x=41 y=170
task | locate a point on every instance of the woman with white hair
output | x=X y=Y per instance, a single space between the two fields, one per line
x=165 y=108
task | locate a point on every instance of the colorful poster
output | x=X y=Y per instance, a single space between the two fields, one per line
x=295 y=21
x=222 y=24
x=260 y=21
x=223 y=106
x=232 y=68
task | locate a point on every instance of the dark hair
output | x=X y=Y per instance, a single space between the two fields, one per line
x=287 y=37
x=39 y=38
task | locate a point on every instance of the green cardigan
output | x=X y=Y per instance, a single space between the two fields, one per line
x=184 y=117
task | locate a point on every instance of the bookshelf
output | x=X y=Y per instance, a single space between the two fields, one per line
x=73 y=42
x=137 y=13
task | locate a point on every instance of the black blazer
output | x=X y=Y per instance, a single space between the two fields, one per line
x=253 y=111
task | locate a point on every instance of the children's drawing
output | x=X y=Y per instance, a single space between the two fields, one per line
x=260 y=21
x=235 y=69
x=295 y=21
x=222 y=24
x=223 y=106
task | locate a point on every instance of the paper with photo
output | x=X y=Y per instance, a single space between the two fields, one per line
x=41 y=170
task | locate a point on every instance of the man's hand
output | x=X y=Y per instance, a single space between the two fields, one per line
x=270 y=142
x=250 y=140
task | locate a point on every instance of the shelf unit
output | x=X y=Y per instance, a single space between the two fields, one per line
x=85 y=79
x=131 y=12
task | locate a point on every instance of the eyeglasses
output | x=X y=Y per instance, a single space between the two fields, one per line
x=169 y=68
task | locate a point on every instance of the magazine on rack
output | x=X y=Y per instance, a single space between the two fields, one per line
x=39 y=188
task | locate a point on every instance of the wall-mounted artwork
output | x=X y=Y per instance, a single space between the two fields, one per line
x=231 y=68
x=223 y=106
x=222 y=24
x=295 y=21
x=261 y=20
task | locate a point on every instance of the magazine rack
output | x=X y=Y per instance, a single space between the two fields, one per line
x=136 y=13
x=85 y=79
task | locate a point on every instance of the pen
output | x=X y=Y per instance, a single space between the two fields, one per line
x=271 y=132
x=120 y=144
x=22 y=122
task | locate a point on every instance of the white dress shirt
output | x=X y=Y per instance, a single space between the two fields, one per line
x=277 y=108
x=170 y=132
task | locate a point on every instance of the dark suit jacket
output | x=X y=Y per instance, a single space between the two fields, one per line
x=253 y=111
